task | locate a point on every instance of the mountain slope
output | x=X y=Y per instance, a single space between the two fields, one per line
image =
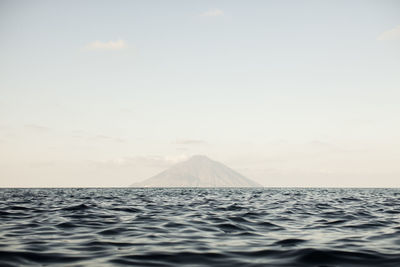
x=198 y=171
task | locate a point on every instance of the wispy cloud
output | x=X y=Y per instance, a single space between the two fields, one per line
x=163 y=160
x=390 y=35
x=36 y=128
x=214 y=12
x=189 y=142
x=108 y=138
x=110 y=45
x=96 y=137
x=154 y=161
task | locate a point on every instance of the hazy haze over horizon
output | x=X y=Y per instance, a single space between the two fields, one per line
x=288 y=93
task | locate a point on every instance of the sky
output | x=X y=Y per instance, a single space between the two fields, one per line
x=288 y=93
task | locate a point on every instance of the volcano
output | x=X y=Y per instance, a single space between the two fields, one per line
x=198 y=171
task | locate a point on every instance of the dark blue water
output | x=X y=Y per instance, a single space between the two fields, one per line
x=200 y=227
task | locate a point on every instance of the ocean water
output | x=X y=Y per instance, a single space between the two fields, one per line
x=200 y=227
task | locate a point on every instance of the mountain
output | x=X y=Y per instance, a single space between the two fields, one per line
x=198 y=171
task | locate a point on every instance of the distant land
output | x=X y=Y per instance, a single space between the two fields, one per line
x=198 y=171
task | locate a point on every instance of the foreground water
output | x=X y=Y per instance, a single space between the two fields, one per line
x=200 y=227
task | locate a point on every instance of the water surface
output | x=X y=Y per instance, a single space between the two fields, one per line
x=200 y=227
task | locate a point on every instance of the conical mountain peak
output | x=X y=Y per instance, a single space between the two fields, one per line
x=198 y=171
x=199 y=159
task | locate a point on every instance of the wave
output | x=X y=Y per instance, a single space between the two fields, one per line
x=202 y=227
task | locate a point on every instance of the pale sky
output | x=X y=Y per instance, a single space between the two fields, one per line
x=288 y=93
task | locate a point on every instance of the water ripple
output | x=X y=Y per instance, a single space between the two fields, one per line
x=200 y=227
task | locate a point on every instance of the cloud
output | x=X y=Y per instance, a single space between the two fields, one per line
x=189 y=142
x=215 y=12
x=390 y=35
x=154 y=161
x=98 y=137
x=110 y=45
x=108 y=138
x=37 y=128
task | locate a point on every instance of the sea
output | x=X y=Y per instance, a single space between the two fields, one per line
x=200 y=227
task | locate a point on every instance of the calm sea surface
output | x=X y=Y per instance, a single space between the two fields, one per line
x=200 y=227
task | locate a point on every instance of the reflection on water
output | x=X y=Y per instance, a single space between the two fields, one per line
x=205 y=227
